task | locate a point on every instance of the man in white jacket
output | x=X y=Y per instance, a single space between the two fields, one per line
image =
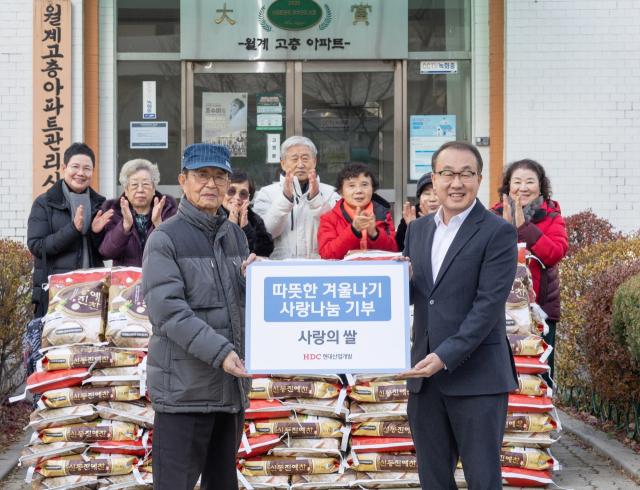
x=291 y=208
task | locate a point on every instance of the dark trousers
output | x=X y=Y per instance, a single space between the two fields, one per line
x=447 y=427
x=187 y=445
x=550 y=339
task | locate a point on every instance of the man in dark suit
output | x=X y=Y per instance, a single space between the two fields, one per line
x=463 y=262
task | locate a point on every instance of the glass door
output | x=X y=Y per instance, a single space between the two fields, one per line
x=352 y=112
x=244 y=106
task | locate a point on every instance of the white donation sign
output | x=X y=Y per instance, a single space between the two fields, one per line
x=327 y=317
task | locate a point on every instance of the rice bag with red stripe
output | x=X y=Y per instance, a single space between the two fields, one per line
x=267 y=409
x=361 y=444
x=518 y=477
x=271 y=388
x=386 y=461
x=326 y=447
x=135 y=448
x=524 y=403
x=381 y=429
x=276 y=466
x=259 y=445
x=530 y=365
x=379 y=391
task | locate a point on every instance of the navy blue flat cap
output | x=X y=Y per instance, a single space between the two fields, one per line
x=206 y=155
x=424 y=181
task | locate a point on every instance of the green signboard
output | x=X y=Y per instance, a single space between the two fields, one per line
x=294 y=15
x=282 y=30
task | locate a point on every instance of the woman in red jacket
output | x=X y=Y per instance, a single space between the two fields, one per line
x=527 y=203
x=361 y=220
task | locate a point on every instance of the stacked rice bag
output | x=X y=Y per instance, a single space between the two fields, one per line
x=92 y=419
x=295 y=432
x=524 y=316
x=128 y=324
x=382 y=451
x=526 y=458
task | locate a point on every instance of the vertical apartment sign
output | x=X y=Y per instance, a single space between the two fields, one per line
x=51 y=90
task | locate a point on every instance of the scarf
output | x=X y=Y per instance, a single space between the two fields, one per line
x=529 y=210
x=352 y=214
x=75 y=201
x=141 y=224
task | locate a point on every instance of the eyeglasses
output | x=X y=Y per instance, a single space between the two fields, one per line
x=203 y=178
x=447 y=176
x=243 y=194
x=146 y=185
x=78 y=169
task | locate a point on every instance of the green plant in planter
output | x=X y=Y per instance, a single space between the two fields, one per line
x=625 y=320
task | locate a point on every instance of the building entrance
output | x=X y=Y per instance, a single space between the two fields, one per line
x=352 y=111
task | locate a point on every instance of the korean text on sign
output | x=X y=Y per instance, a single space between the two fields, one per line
x=327 y=299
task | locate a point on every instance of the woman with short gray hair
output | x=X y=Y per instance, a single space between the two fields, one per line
x=139 y=211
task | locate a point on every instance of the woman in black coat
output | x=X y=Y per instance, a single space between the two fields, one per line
x=66 y=226
x=236 y=205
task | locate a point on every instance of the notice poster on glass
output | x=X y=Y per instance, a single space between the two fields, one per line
x=269 y=107
x=224 y=121
x=427 y=134
x=336 y=151
x=148 y=135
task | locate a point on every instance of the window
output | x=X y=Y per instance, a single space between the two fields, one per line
x=439 y=96
x=251 y=84
x=148 y=26
x=166 y=74
x=439 y=25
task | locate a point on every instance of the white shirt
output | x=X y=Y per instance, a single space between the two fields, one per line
x=444 y=235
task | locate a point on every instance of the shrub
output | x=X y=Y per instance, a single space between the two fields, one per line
x=625 y=321
x=585 y=229
x=577 y=275
x=16 y=264
x=612 y=370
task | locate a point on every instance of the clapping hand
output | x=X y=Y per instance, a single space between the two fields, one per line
x=77 y=219
x=364 y=220
x=314 y=186
x=156 y=214
x=506 y=212
x=127 y=217
x=100 y=221
x=244 y=214
x=233 y=212
x=409 y=213
x=426 y=368
x=288 y=185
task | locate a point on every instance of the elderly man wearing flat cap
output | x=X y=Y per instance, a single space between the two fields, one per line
x=193 y=276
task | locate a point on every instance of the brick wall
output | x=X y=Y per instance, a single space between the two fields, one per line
x=573 y=101
x=16 y=84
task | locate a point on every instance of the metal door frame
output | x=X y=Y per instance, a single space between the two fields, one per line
x=294 y=71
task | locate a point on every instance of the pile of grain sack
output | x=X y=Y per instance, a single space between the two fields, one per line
x=526 y=457
x=93 y=425
x=313 y=432
x=296 y=433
